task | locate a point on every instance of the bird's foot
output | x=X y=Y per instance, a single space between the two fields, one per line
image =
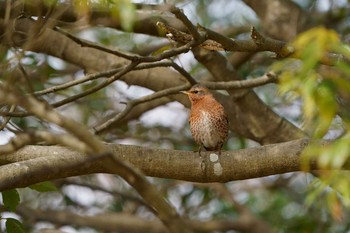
x=199 y=151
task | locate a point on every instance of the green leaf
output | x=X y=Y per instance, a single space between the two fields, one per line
x=11 y=199
x=127 y=14
x=14 y=226
x=124 y=10
x=327 y=106
x=45 y=186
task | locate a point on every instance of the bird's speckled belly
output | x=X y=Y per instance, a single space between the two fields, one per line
x=208 y=132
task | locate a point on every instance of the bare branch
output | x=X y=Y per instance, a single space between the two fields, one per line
x=192 y=29
x=7 y=118
x=85 y=43
x=134 y=113
x=257 y=43
x=77 y=81
x=133 y=103
x=240 y=84
x=110 y=80
x=134 y=58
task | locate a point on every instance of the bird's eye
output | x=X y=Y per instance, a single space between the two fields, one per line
x=195 y=92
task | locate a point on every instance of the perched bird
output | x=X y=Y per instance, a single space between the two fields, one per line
x=208 y=120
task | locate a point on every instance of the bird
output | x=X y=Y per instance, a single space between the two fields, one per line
x=208 y=121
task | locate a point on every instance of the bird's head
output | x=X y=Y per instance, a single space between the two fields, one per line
x=197 y=93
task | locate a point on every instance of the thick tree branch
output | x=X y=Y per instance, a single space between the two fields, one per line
x=34 y=164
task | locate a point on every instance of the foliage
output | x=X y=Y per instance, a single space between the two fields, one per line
x=319 y=93
x=14 y=226
x=10 y=199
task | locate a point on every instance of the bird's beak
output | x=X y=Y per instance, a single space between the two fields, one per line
x=185 y=92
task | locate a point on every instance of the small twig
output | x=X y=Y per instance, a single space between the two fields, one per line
x=250 y=83
x=184 y=73
x=89 y=44
x=26 y=78
x=133 y=103
x=78 y=81
x=178 y=68
x=7 y=118
x=110 y=80
x=134 y=58
x=191 y=28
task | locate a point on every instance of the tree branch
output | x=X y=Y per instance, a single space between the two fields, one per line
x=129 y=223
x=31 y=164
x=130 y=105
x=269 y=77
x=257 y=43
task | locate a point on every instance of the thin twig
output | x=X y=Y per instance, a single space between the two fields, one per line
x=77 y=81
x=7 y=118
x=134 y=58
x=94 y=76
x=26 y=78
x=168 y=63
x=133 y=103
x=110 y=80
x=89 y=44
x=191 y=28
x=269 y=77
